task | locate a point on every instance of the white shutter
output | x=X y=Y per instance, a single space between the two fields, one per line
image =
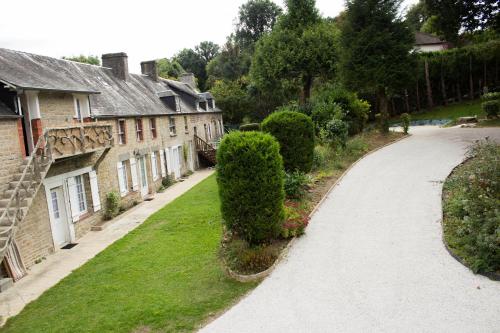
x=169 y=161
x=121 y=181
x=154 y=166
x=73 y=199
x=133 y=171
x=162 y=163
x=94 y=189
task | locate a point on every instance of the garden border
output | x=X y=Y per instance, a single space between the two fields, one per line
x=490 y=275
x=261 y=275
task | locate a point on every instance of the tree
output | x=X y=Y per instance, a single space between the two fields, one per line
x=195 y=61
x=92 y=60
x=207 y=51
x=232 y=63
x=256 y=17
x=232 y=98
x=169 y=68
x=416 y=16
x=300 y=48
x=377 y=46
x=452 y=16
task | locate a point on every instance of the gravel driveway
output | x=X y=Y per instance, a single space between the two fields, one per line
x=372 y=259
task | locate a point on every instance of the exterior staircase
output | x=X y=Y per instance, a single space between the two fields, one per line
x=204 y=149
x=15 y=201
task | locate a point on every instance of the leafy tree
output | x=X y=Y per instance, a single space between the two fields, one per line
x=417 y=15
x=256 y=17
x=300 y=48
x=452 y=16
x=92 y=60
x=169 y=68
x=232 y=98
x=207 y=51
x=231 y=63
x=377 y=46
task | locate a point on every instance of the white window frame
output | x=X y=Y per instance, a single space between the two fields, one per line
x=154 y=166
x=82 y=106
x=80 y=192
x=122 y=178
x=139 y=137
x=153 y=129
x=171 y=126
x=124 y=142
x=177 y=103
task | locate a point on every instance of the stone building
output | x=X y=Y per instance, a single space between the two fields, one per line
x=71 y=133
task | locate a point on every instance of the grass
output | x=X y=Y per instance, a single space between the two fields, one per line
x=452 y=112
x=163 y=276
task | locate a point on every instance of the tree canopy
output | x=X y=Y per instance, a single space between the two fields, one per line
x=169 y=68
x=90 y=59
x=256 y=17
x=376 y=48
x=196 y=61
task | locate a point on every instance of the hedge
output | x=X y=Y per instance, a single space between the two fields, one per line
x=250 y=178
x=491 y=108
x=295 y=133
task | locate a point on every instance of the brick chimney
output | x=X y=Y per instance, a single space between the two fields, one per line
x=189 y=79
x=150 y=69
x=118 y=62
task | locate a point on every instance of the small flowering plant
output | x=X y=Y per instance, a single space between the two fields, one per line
x=296 y=220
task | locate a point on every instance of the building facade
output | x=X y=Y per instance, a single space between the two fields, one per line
x=72 y=133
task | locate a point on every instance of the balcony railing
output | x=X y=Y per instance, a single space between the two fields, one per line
x=71 y=141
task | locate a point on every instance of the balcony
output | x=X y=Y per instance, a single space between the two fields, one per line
x=71 y=141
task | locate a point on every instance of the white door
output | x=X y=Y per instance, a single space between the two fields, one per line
x=143 y=176
x=59 y=217
x=176 y=162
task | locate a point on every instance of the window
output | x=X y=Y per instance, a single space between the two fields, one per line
x=171 y=121
x=177 y=104
x=122 y=178
x=186 y=127
x=80 y=193
x=82 y=106
x=154 y=165
x=138 y=130
x=221 y=128
x=122 y=137
x=213 y=103
x=55 y=204
x=203 y=106
x=152 y=126
x=78 y=109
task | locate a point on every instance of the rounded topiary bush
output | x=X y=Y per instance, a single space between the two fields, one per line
x=250 y=178
x=491 y=108
x=295 y=133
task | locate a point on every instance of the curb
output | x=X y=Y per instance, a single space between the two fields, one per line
x=261 y=275
x=490 y=275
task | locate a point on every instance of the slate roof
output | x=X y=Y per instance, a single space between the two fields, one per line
x=422 y=38
x=109 y=96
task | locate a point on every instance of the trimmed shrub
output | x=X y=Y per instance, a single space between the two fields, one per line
x=382 y=122
x=491 y=108
x=493 y=96
x=405 y=122
x=112 y=205
x=167 y=181
x=250 y=178
x=295 y=134
x=250 y=127
x=336 y=132
x=295 y=184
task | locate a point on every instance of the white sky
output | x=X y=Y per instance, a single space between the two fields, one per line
x=145 y=29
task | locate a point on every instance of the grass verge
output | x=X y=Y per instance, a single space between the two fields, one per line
x=163 y=276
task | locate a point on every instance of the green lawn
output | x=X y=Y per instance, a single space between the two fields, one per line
x=163 y=276
x=454 y=111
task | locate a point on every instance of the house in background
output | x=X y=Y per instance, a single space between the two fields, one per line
x=425 y=42
x=71 y=133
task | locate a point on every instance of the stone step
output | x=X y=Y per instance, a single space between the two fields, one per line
x=4 y=202
x=5 y=284
x=9 y=192
x=12 y=185
x=3 y=228
x=12 y=211
x=3 y=241
x=17 y=177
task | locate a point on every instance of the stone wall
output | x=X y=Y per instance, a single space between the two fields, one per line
x=11 y=152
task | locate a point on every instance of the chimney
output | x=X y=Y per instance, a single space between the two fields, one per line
x=118 y=62
x=189 y=79
x=150 y=69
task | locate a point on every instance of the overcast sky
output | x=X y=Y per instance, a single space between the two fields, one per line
x=145 y=29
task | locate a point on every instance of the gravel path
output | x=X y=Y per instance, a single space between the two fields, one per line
x=372 y=259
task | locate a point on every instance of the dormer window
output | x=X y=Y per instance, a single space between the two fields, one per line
x=177 y=104
x=213 y=103
x=202 y=106
x=82 y=106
